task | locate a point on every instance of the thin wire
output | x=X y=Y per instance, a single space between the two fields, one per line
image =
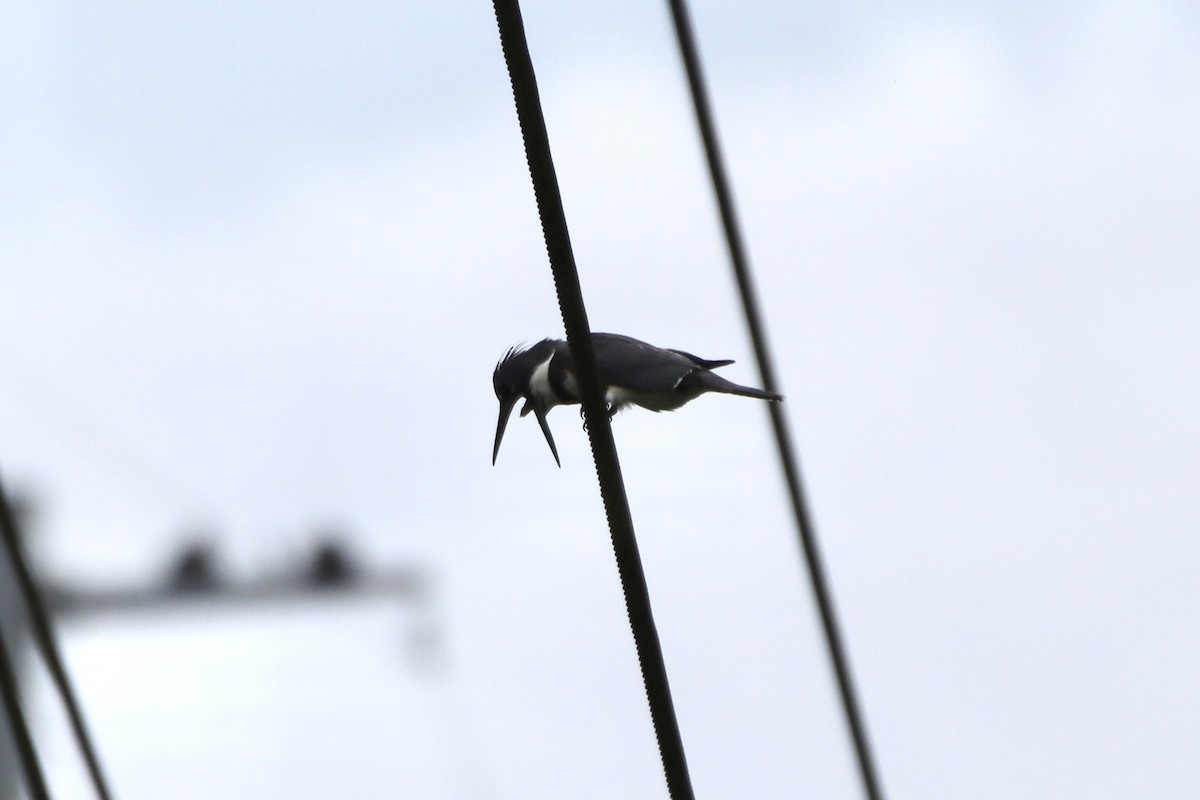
x=35 y=781
x=783 y=439
x=43 y=635
x=604 y=451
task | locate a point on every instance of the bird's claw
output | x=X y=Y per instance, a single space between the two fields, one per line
x=609 y=408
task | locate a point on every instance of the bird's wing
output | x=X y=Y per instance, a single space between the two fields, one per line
x=633 y=364
x=704 y=362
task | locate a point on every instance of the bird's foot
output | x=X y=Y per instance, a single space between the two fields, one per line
x=610 y=409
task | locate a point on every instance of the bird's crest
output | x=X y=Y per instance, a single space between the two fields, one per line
x=515 y=350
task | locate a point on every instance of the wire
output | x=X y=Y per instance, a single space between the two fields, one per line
x=35 y=781
x=604 y=451
x=783 y=439
x=44 y=637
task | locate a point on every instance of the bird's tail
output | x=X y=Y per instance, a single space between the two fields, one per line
x=715 y=383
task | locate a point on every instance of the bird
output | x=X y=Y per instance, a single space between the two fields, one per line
x=632 y=372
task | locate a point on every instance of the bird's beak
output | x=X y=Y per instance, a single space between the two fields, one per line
x=506 y=407
x=541 y=418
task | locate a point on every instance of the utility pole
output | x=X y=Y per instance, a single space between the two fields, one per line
x=12 y=629
x=195 y=579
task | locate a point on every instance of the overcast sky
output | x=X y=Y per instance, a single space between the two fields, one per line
x=259 y=259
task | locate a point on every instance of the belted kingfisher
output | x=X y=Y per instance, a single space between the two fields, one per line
x=632 y=373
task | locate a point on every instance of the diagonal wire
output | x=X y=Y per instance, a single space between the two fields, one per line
x=783 y=439
x=604 y=451
x=35 y=781
x=48 y=646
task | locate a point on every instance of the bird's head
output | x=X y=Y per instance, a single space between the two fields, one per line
x=512 y=379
